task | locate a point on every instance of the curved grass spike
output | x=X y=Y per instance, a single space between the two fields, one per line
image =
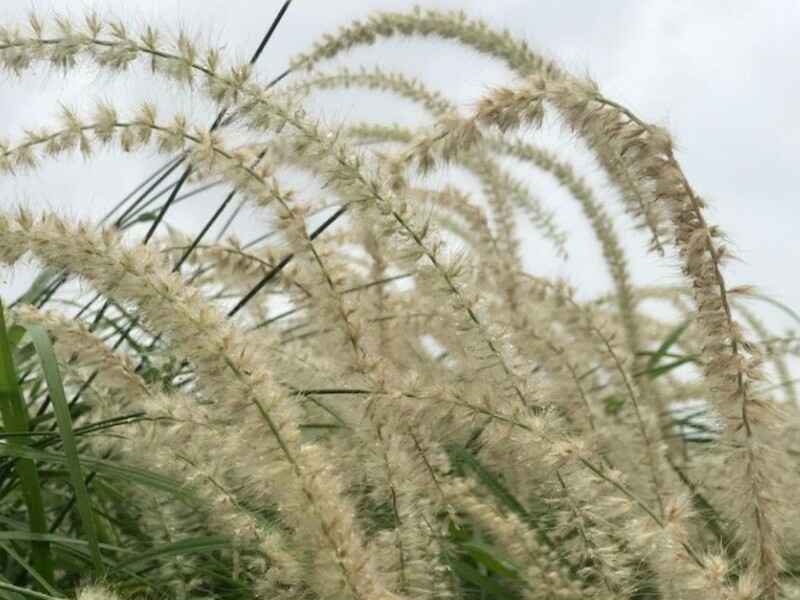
x=217 y=122
x=491 y=171
x=148 y=47
x=187 y=172
x=475 y=34
x=62 y=255
x=167 y=169
x=203 y=70
x=646 y=152
x=311 y=136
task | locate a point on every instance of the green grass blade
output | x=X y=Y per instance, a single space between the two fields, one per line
x=60 y=404
x=9 y=549
x=15 y=420
x=490 y=558
x=490 y=588
x=9 y=595
x=104 y=467
x=43 y=281
x=26 y=592
x=659 y=370
x=668 y=342
x=54 y=538
x=189 y=546
x=464 y=457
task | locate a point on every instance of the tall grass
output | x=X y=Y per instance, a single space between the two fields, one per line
x=373 y=399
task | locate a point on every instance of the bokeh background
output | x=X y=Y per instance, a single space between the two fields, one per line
x=721 y=75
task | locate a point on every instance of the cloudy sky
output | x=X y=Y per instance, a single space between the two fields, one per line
x=720 y=74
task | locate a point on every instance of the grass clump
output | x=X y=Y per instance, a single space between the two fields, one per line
x=374 y=399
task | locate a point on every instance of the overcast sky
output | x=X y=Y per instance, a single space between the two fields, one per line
x=721 y=75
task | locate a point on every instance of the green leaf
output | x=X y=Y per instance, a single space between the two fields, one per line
x=653 y=368
x=26 y=592
x=52 y=537
x=614 y=404
x=104 y=467
x=456 y=532
x=488 y=585
x=673 y=336
x=145 y=217
x=9 y=549
x=188 y=546
x=39 y=285
x=462 y=456
x=651 y=353
x=490 y=558
x=15 y=334
x=60 y=405
x=15 y=420
x=659 y=370
x=465 y=457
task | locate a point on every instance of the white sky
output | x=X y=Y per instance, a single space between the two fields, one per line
x=722 y=75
